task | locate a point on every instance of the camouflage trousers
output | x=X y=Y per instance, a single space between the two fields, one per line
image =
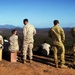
x=74 y=54
x=60 y=49
x=27 y=49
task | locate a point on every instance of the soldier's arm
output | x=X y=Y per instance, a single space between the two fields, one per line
x=18 y=38
x=49 y=45
x=62 y=35
x=34 y=31
x=2 y=40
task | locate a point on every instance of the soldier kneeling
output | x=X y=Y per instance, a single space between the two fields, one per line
x=44 y=49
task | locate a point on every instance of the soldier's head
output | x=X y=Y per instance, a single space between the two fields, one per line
x=14 y=31
x=56 y=22
x=25 y=21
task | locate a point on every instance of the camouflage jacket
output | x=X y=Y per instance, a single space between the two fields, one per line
x=57 y=34
x=29 y=31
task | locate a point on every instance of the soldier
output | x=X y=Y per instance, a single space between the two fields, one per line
x=58 y=37
x=1 y=40
x=1 y=47
x=14 y=46
x=45 y=47
x=28 y=32
x=73 y=34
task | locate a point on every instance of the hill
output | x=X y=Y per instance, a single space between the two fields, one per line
x=8 y=26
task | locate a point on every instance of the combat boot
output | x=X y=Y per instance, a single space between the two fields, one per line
x=63 y=66
x=24 y=61
x=56 y=65
x=73 y=62
x=30 y=61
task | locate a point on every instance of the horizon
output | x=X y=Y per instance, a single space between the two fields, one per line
x=13 y=26
x=40 y=13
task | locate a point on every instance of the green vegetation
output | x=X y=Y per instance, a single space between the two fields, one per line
x=42 y=35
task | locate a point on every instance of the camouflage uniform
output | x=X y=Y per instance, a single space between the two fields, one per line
x=73 y=34
x=28 y=32
x=14 y=46
x=1 y=42
x=58 y=37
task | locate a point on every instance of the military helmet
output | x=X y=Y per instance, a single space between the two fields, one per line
x=73 y=32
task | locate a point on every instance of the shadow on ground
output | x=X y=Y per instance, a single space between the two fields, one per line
x=48 y=60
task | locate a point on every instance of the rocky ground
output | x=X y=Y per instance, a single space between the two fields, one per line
x=40 y=66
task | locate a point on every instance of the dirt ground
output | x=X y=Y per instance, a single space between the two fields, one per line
x=40 y=66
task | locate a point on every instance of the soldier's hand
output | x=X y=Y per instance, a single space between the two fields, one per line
x=63 y=41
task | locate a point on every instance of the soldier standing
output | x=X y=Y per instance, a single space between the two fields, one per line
x=73 y=34
x=1 y=40
x=28 y=32
x=1 y=46
x=58 y=37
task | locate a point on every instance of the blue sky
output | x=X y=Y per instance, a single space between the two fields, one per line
x=40 y=13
